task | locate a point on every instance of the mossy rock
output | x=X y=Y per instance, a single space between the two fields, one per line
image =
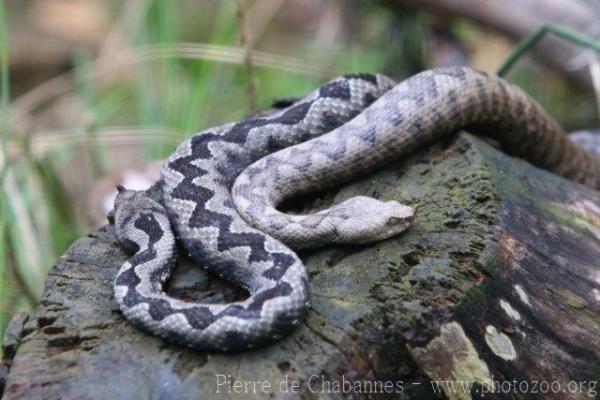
x=497 y=280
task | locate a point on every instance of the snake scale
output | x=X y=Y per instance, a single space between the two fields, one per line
x=221 y=187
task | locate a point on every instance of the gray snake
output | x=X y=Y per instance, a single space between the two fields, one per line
x=221 y=187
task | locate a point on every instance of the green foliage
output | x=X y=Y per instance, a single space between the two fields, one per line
x=4 y=135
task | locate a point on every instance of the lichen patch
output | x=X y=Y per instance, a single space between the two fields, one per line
x=509 y=310
x=500 y=343
x=571 y=299
x=451 y=356
x=522 y=294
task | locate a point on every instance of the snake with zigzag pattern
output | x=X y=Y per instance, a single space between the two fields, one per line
x=220 y=190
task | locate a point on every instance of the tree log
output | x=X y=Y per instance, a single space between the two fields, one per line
x=497 y=281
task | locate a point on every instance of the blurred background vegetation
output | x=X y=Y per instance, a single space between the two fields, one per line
x=94 y=91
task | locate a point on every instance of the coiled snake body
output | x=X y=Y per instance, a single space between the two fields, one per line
x=348 y=126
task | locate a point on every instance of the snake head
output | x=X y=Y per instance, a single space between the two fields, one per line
x=130 y=206
x=111 y=214
x=368 y=220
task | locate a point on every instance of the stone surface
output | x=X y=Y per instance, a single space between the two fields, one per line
x=498 y=279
